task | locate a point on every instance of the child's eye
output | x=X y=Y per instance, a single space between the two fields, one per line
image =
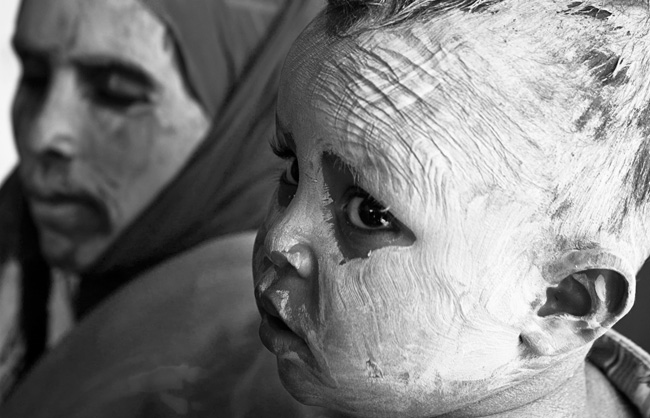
x=364 y=212
x=364 y=224
x=291 y=174
x=288 y=182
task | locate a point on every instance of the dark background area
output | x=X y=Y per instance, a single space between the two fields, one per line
x=636 y=325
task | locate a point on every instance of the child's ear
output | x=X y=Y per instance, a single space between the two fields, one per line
x=577 y=310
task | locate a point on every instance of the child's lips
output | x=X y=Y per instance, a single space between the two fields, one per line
x=272 y=290
x=279 y=339
x=277 y=332
x=282 y=335
x=269 y=304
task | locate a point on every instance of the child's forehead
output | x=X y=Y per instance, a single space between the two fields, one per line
x=400 y=99
x=367 y=107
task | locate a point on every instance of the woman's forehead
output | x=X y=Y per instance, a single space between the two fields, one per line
x=120 y=28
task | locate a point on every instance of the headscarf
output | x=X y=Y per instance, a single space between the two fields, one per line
x=223 y=188
x=19 y=242
x=232 y=52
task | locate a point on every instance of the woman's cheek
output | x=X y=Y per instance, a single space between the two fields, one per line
x=124 y=145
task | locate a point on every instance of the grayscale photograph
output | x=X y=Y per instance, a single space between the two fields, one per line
x=325 y=209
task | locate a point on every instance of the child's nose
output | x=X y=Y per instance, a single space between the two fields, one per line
x=301 y=257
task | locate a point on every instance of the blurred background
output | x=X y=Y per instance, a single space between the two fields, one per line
x=8 y=77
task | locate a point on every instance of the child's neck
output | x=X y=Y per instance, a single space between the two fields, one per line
x=586 y=394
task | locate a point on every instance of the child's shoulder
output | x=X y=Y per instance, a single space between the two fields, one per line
x=626 y=367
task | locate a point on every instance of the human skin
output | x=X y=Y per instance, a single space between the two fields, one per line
x=102 y=120
x=429 y=251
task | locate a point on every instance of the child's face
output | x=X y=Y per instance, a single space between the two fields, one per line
x=384 y=272
x=418 y=224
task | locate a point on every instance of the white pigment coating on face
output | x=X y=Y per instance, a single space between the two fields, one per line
x=283 y=303
x=601 y=288
x=462 y=129
x=372 y=300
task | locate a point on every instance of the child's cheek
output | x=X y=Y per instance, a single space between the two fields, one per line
x=371 y=308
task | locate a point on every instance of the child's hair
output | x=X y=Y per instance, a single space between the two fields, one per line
x=587 y=59
x=348 y=15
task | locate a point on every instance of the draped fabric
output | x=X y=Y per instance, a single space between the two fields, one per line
x=627 y=367
x=218 y=39
x=180 y=341
x=232 y=52
x=23 y=336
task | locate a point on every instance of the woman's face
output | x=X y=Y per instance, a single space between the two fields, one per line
x=102 y=120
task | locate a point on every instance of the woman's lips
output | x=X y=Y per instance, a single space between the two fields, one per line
x=67 y=215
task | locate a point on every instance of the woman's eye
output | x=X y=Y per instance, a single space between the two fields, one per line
x=291 y=175
x=364 y=212
x=119 y=92
x=35 y=77
x=114 y=90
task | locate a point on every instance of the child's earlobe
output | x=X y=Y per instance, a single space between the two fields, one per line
x=578 y=309
x=570 y=297
x=590 y=293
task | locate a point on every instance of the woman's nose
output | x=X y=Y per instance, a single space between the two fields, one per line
x=57 y=125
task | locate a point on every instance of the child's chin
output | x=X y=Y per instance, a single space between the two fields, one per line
x=356 y=398
x=308 y=389
x=301 y=384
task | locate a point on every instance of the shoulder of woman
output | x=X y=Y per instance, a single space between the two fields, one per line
x=157 y=341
